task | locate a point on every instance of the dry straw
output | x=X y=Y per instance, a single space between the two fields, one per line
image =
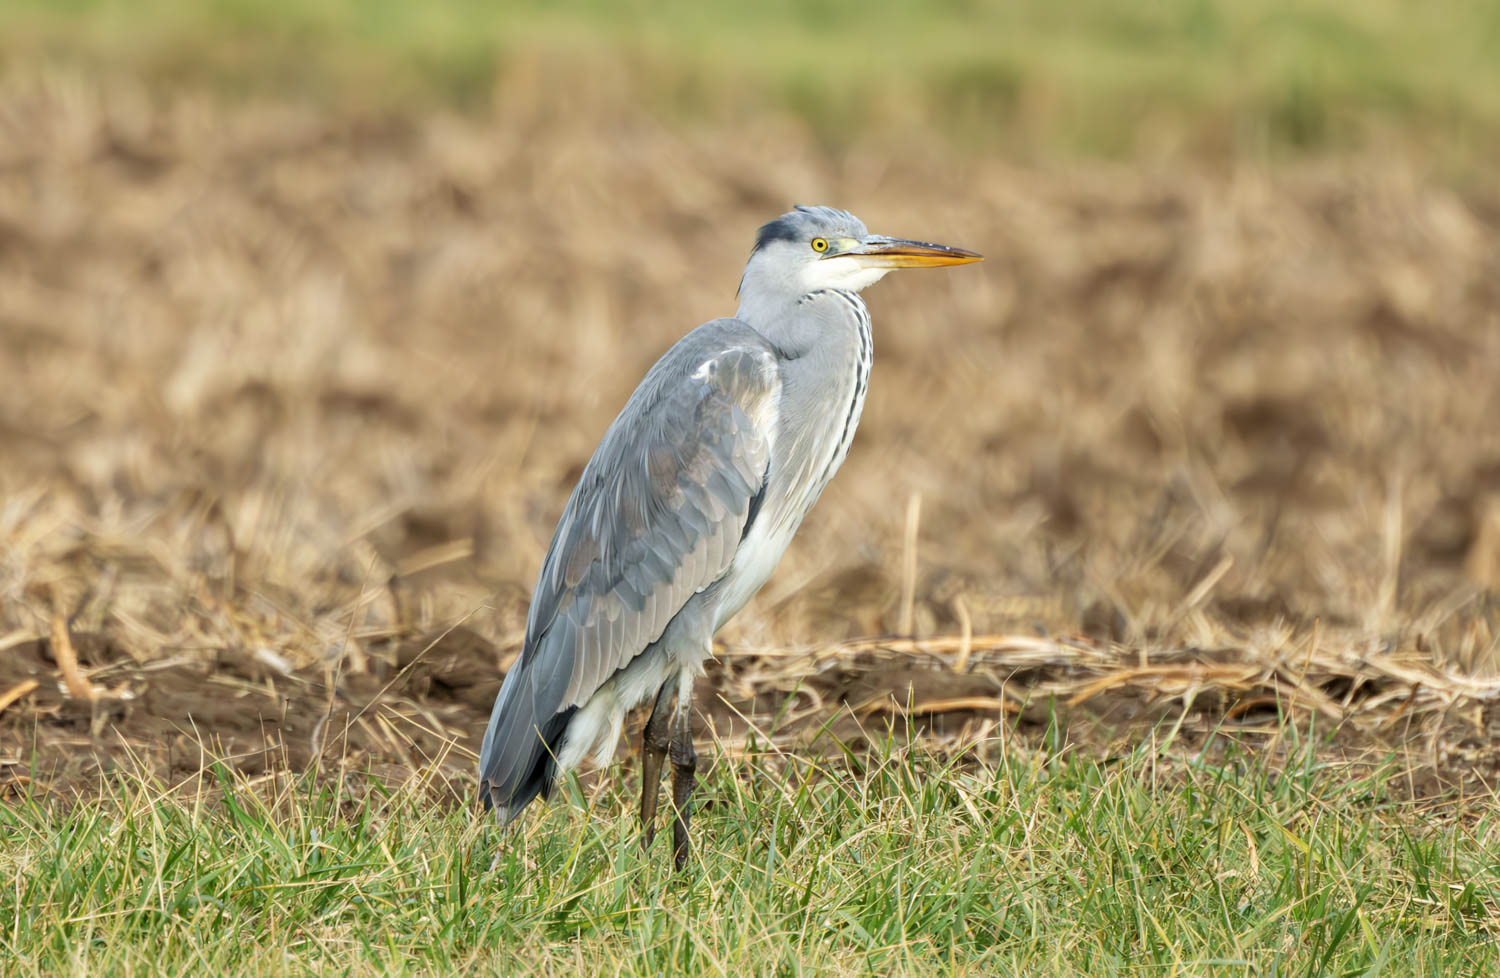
x=283 y=394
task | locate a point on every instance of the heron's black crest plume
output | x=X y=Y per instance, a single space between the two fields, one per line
x=804 y=223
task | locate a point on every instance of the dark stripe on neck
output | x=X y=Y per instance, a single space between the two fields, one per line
x=862 y=363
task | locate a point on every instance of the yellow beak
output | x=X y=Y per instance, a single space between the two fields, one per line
x=882 y=252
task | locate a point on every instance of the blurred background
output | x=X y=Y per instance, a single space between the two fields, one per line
x=311 y=313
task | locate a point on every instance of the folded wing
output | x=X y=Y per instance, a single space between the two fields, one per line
x=655 y=518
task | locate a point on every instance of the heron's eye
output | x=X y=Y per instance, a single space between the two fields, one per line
x=820 y=245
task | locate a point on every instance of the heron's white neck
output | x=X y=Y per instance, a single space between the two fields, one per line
x=772 y=289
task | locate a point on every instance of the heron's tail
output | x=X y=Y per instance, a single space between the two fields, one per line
x=518 y=760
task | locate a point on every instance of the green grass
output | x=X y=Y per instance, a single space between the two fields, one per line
x=1094 y=76
x=1042 y=865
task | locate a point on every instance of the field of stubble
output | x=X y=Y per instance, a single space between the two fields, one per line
x=290 y=402
x=285 y=395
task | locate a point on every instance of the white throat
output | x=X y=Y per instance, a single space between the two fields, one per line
x=845 y=273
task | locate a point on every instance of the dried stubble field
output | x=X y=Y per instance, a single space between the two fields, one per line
x=289 y=403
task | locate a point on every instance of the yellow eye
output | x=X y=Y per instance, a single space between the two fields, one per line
x=820 y=245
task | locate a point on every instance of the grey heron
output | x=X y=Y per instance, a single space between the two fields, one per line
x=685 y=509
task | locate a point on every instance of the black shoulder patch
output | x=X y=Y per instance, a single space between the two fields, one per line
x=755 y=502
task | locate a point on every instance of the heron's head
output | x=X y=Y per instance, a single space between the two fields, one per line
x=814 y=248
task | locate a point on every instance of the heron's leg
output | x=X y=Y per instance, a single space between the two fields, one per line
x=654 y=742
x=684 y=768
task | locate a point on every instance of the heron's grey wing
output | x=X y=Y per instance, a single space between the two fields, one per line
x=655 y=518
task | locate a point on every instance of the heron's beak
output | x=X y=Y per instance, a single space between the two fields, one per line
x=878 y=251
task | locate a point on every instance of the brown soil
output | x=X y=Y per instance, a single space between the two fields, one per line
x=285 y=397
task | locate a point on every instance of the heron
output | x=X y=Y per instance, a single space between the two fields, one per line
x=685 y=509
